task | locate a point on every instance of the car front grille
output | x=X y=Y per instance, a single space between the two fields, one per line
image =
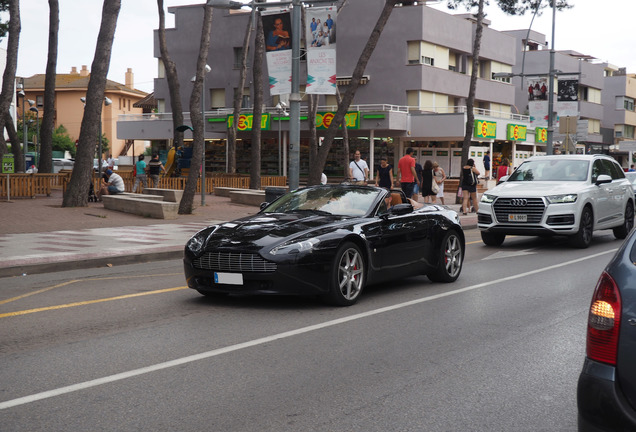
x=234 y=262
x=532 y=207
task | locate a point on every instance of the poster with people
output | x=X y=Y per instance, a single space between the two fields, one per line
x=320 y=36
x=538 y=102
x=278 y=44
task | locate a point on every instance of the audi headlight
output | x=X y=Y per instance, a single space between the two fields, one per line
x=561 y=199
x=295 y=247
x=485 y=198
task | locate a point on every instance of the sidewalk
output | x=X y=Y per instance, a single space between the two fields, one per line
x=38 y=235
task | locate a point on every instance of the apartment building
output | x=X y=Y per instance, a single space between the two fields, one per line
x=69 y=108
x=413 y=93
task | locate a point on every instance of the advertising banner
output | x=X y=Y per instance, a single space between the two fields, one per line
x=320 y=34
x=515 y=132
x=246 y=121
x=567 y=104
x=485 y=129
x=278 y=44
x=538 y=102
x=351 y=120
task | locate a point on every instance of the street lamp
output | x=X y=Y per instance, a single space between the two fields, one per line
x=280 y=109
x=37 y=132
x=207 y=70
x=107 y=102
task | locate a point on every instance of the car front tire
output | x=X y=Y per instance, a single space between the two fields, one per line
x=347 y=276
x=450 y=260
x=622 y=231
x=583 y=238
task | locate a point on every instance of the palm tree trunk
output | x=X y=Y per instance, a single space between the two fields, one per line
x=8 y=82
x=195 y=116
x=257 y=77
x=172 y=77
x=77 y=192
x=48 y=118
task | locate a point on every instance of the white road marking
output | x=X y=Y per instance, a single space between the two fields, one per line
x=509 y=254
x=209 y=354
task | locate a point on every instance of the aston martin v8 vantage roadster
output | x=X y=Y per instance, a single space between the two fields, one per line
x=327 y=240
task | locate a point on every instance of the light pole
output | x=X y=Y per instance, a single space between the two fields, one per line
x=207 y=70
x=551 y=86
x=280 y=109
x=37 y=133
x=25 y=145
x=107 y=102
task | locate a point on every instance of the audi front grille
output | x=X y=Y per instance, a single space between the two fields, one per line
x=533 y=208
x=234 y=262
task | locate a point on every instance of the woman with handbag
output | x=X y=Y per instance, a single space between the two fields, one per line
x=439 y=176
x=469 y=186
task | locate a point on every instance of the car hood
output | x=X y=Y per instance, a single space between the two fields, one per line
x=253 y=233
x=536 y=189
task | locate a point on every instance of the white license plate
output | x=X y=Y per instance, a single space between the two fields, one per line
x=517 y=218
x=228 y=278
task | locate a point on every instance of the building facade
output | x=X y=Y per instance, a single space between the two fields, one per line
x=69 y=108
x=413 y=93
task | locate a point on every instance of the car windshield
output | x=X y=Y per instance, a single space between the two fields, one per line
x=551 y=170
x=340 y=201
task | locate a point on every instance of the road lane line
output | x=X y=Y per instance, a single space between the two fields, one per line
x=83 y=280
x=88 y=302
x=264 y=340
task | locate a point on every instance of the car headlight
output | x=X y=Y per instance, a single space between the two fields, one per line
x=485 y=198
x=561 y=199
x=295 y=247
x=197 y=241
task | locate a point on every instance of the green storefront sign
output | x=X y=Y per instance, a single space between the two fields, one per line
x=515 y=132
x=246 y=121
x=485 y=129
x=8 y=166
x=351 y=120
x=540 y=135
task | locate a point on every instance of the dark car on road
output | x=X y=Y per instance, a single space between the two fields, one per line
x=328 y=241
x=607 y=385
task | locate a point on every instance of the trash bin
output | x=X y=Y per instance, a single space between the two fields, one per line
x=273 y=193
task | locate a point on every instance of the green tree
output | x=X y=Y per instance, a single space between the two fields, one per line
x=61 y=141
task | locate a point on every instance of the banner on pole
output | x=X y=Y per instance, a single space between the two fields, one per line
x=278 y=44
x=320 y=34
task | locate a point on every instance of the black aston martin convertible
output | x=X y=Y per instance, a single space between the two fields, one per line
x=328 y=241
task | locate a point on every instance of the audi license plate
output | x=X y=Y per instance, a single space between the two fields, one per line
x=517 y=218
x=228 y=278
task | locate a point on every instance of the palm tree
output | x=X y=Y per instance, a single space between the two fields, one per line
x=198 y=133
x=315 y=171
x=48 y=118
x=257 y=77
x=173 y=78
x=76 y=194
x=8 y=82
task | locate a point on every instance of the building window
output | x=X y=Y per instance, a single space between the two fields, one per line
x=217 y=98
x=428 y=61
x=502 y=79
x=628 y=104
x=39 y=100
x=452 y=68
x=628 y=131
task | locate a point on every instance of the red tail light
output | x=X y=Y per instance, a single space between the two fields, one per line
x=604 y=321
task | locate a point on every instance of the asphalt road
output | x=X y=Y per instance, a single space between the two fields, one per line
x=130 y=348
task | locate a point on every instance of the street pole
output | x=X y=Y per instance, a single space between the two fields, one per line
x=294 y=101
x=549 y=149
x=25 y=147
x=207 y=69
x=37 y=134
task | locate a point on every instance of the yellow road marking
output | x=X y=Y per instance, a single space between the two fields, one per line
x=88 y=302
x=82 y=280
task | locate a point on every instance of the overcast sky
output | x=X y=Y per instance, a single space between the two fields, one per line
x=602 y=29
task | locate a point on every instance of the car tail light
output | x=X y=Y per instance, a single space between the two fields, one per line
x=604 y=321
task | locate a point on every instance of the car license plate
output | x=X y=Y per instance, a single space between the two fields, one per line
x=517 y=218
x=228 y=278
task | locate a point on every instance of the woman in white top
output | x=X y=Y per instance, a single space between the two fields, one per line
x=439 y=175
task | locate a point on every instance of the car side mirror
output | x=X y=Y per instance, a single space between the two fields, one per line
x=503 y=179
x=602 y=179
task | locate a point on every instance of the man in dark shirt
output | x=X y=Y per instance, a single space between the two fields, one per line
x=155 y=168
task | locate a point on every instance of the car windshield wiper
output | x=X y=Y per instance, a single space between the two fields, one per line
x=313 y=211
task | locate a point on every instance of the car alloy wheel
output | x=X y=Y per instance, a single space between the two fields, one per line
x=628 y=223
x=348 y=275
x=451 y=259
x=583 y=238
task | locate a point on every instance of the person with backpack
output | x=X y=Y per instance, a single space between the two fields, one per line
x=469 y=186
